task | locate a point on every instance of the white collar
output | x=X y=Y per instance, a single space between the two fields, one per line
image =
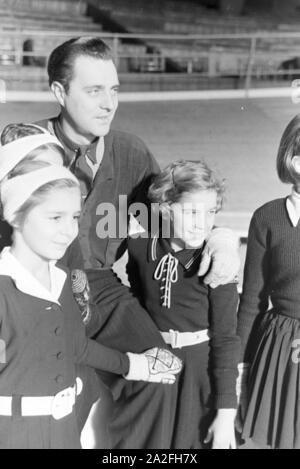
x=293 y=207
x=27 y=283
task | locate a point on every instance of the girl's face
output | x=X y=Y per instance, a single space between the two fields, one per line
x=50 y=227
x=193 y=218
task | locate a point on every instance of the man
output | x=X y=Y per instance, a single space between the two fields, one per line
x=110 y=163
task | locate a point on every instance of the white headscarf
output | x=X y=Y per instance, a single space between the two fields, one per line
x=12 y=153
x=15 y=191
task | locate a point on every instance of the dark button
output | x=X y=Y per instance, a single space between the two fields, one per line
x=59 y=379
x=55 y=307
x=60 y=356
x=58 y=331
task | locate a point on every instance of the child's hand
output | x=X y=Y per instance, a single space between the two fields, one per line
x=156 y=365
x=221 y=432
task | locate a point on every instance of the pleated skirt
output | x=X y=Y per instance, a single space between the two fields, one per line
x=273 y=414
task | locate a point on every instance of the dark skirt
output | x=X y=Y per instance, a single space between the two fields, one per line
x=194 y=399
x=163 y=416
x=273 y=414
x=39 y=432
x=119 y=322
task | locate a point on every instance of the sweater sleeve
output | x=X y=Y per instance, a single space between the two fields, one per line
x=91 y=353
x=101 y=357
x=255 y=296
x=132 y=270
x=144 y=172
x=225 y=344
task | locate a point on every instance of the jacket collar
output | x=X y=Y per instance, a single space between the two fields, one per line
x=102 y=148
x=158 y=247
x=69 y=144
x=27 y=283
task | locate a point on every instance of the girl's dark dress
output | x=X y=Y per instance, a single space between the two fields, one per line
x=208 y=379
x=269 y=326
x=43 y=341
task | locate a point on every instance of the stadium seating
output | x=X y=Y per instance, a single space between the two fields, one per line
x=226 y=56
x=176 y=17
x=57 y=7
x=30 y=29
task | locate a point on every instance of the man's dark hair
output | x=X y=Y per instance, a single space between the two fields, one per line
x=61 y=61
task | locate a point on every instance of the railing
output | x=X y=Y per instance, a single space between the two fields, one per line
x=246 y=57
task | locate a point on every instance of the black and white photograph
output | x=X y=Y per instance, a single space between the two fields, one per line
x=149 y=227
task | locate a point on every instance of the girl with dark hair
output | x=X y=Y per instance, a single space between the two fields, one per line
x=269 y=312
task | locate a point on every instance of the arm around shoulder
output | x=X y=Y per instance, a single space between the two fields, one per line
x=220 y=261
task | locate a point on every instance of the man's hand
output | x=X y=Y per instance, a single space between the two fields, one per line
x=220 y=259
x=156 y=365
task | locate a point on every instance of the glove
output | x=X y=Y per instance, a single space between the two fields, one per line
x=156 y=365
x=220 y=259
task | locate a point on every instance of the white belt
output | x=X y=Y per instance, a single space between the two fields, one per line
x=183 y=339
x=58 y=406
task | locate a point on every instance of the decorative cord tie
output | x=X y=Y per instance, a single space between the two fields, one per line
x=167 y=272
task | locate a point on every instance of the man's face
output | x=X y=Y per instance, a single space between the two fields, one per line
x=92 y=98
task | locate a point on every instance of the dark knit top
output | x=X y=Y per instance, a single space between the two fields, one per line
x=272 y=269
x=194 y=306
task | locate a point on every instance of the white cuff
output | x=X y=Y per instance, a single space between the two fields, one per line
x=138 y=367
